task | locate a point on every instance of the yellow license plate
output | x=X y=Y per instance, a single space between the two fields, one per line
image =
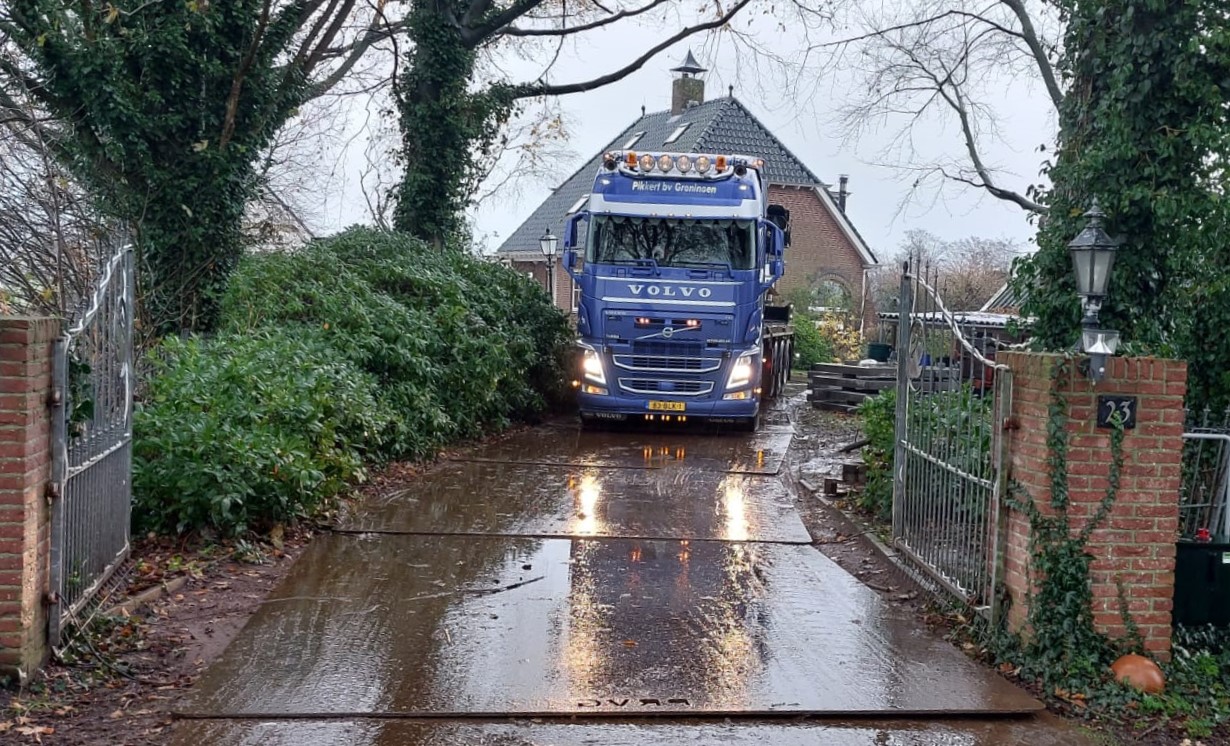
x=668 y=406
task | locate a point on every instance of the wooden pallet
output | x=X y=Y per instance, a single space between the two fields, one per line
x=841 y=388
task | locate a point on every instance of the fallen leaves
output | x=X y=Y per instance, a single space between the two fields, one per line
x=25 y=727
x=38 y=731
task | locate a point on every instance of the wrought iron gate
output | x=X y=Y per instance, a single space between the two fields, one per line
x=948 y=480
x=92 y=443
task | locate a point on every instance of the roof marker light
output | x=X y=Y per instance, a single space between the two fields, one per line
x=646 y=163
x=665 y=162
x=703 y=164
x=721 y=164
x=683 y=163
x=631 y=159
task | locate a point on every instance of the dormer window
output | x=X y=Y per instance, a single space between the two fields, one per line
x=633 y=140
x=577 y=205
x=676 y=134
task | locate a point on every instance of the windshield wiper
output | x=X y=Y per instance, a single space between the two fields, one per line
x=721 y=265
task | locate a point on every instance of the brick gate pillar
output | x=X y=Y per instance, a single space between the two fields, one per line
x=1135 y=545
x=25 y=470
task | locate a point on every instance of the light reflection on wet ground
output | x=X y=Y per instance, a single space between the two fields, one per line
x=489 y=625
x=594 y=576
x=566 y=445
x=685 y=502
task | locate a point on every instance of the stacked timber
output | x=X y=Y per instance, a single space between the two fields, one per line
x=842 y=387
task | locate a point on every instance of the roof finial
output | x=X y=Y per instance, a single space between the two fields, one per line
x=642 y=110
x=730 y=90
x=689 y=67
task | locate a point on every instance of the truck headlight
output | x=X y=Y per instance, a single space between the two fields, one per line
x=591 y=366
x=740 y=372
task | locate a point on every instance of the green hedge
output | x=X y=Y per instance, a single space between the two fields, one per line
x=953 y=426
x=363 y=347
x=879 y=415
x=810 y=346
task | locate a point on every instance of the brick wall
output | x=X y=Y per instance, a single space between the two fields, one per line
x=819 y=250
x=25 y=468
x=563 y=281
x=1135 y=545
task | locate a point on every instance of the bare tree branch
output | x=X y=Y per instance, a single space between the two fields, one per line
x=564 y=29
x=529 y=90
x=1043 y=60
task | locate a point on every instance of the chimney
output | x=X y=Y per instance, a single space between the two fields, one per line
x=687 y=90
x=842 y=181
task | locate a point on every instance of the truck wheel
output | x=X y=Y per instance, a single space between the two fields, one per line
x=784 y=368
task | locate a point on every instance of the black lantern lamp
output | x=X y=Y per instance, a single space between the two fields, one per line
x=549 y=245
x=1093 y=257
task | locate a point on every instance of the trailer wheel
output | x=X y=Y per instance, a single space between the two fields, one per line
x=778 y=377
x=782 y=367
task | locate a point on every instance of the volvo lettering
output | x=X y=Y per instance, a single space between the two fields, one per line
x=674 y=258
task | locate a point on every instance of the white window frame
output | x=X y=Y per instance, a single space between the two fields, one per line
x=636 y=137
x=678 y=133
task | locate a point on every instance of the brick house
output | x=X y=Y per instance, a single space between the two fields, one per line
x=826 y=250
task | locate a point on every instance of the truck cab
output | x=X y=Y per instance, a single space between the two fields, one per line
x=673 y=258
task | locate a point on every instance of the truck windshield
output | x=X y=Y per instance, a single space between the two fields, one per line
x=673 y=243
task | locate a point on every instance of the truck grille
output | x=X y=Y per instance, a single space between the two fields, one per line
x=664 y=363
x=680 y=388
x=661 y=348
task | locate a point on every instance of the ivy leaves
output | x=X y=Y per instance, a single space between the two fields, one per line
x=1143 y=130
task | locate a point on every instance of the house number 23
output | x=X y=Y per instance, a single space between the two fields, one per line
x=1121 y=408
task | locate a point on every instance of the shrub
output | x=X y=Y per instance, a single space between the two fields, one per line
x=842 y=336
x=953 y=426
x=365 y=346
x=247 y=430
x=459 y=347
x=809 y=345
x=879 y=415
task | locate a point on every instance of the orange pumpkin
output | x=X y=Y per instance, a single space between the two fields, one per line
x=1139 y=672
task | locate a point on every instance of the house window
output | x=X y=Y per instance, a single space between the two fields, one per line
x=577 y=205
x=676 y=134
x=633 y=140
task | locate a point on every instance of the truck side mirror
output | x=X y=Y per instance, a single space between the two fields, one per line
x=570 y=260
x=570 y=230
x=776 y=239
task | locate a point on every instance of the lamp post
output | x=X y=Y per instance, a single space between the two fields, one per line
x=1093 y=257
x=549 y=245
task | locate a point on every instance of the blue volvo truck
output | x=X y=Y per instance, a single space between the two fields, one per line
x=674 y=257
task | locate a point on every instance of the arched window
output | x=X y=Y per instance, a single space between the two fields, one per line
x=831 y=295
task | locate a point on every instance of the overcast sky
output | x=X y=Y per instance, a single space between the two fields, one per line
x=883 y=205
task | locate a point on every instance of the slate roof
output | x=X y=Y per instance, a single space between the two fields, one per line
x=722 y=125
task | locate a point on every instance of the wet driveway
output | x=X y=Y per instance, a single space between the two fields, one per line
x=585 y=582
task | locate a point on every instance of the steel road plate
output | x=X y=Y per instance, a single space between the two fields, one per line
x=396 y=625
x=529 y=500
